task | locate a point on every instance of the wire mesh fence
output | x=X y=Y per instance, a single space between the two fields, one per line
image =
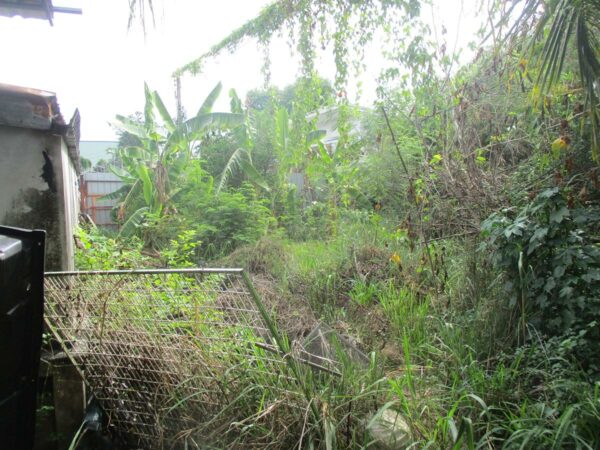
x=162 y=350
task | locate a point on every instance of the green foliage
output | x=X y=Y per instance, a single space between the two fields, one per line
x=384 y=234
x=154 y=169
x=548 y=252
x=130 y=227
x=363 y=293
x=346 y=25
x=241 y=159
x=225 y=222
x=399 y=305
x=264 y=99
x=182 y=251
x=99 y=252
x=562 y=26
x=85 y=163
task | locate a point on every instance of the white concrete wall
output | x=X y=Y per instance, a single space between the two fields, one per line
x=19 y=168
x=71 y=202
x=35 y=191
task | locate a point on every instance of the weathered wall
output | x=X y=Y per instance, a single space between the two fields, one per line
x=71 y=203
x=32 y=188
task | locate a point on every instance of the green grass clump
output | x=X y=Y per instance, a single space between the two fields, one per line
x=445 y=351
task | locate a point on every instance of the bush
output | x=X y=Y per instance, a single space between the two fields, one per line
x=227 y=221
x=548 y=252
x=96 y=251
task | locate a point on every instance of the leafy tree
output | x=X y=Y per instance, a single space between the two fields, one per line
x=86 y=164
x=226 y=221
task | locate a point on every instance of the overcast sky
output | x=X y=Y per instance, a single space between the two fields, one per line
x=93 y=63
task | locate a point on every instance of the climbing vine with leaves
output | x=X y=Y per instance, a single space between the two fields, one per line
x=346 y=24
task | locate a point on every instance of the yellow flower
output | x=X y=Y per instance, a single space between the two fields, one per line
x=559 y=145
x=395 y=258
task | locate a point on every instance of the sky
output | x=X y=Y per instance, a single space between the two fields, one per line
x=93 y=63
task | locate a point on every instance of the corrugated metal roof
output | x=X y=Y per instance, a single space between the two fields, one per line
x=38 y=110
x=33 y=9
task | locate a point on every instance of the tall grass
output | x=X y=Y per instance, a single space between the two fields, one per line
x=461 y=382
x=407 y=313
x=288 y=405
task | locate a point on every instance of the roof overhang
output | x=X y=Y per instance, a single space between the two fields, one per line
x=35 y=109
x=34 y=9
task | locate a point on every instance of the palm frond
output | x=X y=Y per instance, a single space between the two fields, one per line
x=126 y=124
x=555 y=48
x=148 y=108
x=232 y=164
x=132 y=224
x=122 y=191
x=200 y=123
x=164 y=113
x=241 y=160
x=253 y=175
x=560 y=25
x=122 y=174
x=134 y=190
x=209 y=101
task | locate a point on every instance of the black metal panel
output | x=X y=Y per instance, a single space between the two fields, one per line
x=21 y=326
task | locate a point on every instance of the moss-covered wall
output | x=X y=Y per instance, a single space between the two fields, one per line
x=32 y=190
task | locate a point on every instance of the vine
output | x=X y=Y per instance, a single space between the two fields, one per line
x=346 y=24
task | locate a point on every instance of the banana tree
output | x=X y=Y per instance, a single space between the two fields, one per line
x=154 y=167
x=292 y=147
x=241 y=159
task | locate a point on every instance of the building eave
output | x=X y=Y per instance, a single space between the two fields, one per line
x=34 y=9
x=35 y=109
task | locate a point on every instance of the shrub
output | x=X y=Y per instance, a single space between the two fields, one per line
x=548 y=252
x=227 y=221
x=96 y=251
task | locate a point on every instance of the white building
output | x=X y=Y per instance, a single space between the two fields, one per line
x=39 y=170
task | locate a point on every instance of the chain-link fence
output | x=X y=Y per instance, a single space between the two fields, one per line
x=162 y=350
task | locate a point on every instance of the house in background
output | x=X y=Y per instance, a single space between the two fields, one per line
x=39 y=170
x=94 y=188
x=98 y=182
x=327 y=119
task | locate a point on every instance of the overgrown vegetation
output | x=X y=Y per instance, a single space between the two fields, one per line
x=451 y=230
